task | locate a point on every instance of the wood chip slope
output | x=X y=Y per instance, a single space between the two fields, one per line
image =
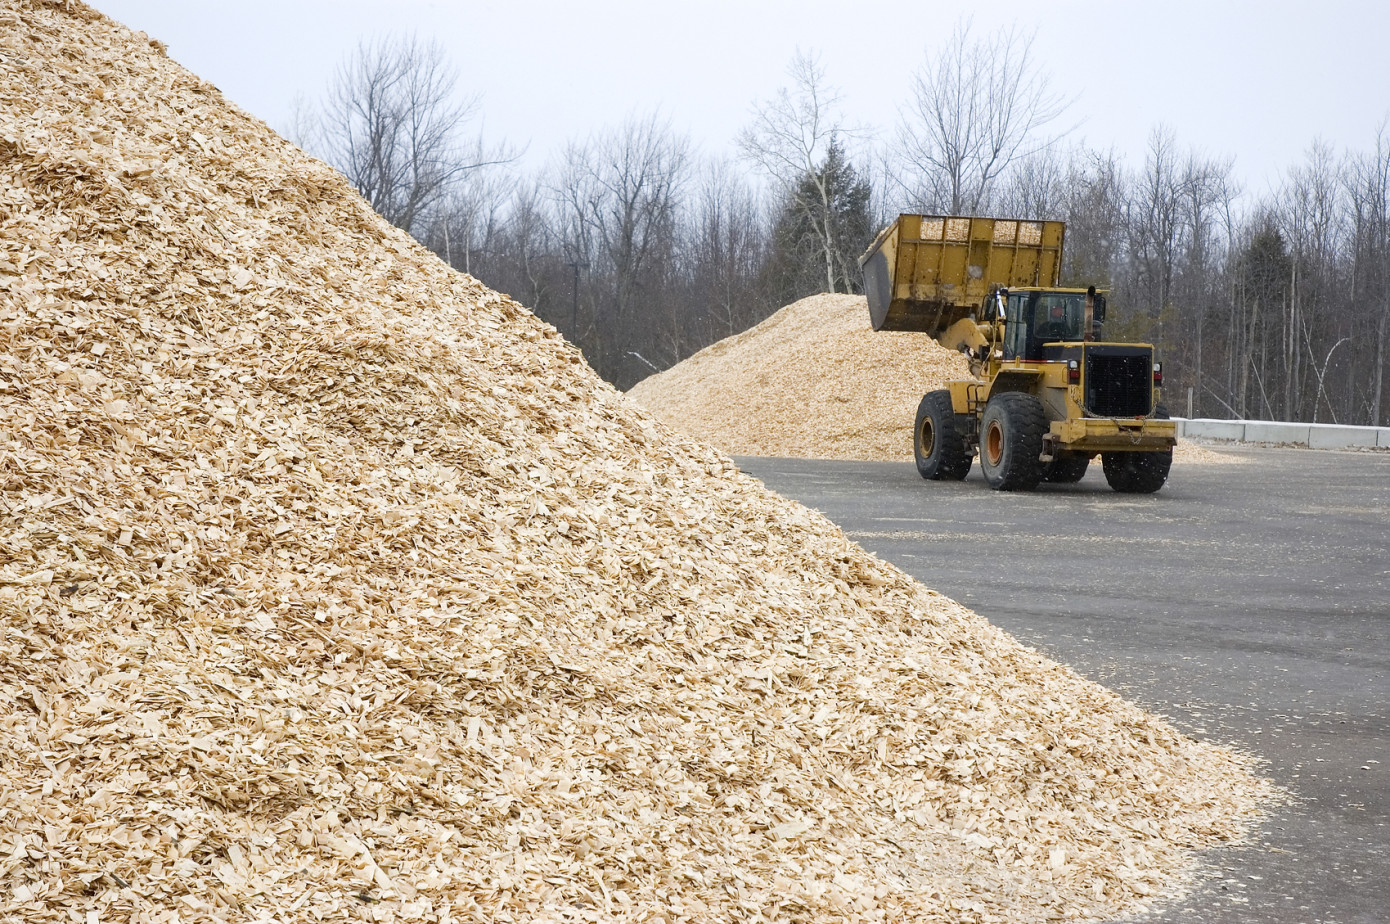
x=815 y=381
x=335 y=586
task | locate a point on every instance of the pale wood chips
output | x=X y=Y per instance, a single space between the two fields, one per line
x=334 y=586
x=812 y=381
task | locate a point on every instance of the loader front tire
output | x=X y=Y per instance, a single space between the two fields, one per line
x=1011 y=440
x=937 y=444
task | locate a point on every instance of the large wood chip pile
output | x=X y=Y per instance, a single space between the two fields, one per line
x=815 y=381
x=334 y=586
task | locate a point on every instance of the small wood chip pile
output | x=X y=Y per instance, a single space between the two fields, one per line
x=1190 y=453
x=335 y=586
x=814 y=381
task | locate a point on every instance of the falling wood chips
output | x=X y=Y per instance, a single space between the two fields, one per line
x=815 y=381
x=334 y=586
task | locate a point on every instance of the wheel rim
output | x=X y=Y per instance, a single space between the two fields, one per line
x=994 y=443
x=926 y=435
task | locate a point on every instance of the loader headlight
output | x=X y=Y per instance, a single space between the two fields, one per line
x=1073 y=372
x=1158 y=375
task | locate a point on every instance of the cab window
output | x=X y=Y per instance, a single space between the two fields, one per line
x=1035 y=318
x=1058 y=317
x=1016 y=327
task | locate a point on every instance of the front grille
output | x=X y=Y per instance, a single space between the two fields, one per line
x=1119 y=381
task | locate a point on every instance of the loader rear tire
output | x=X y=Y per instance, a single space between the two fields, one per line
x=1138 y=472
x=1011 y=439
x=937 y=444
x=1066 y=469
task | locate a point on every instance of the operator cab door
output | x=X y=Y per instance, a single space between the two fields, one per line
x=1034 y=318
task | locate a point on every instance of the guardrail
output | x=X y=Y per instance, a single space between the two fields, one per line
x=1312 y=435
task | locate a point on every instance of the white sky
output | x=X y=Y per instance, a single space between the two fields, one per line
x=1258 y=80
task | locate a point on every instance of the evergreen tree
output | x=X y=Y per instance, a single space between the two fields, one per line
x=1262 y=272
x=824 y=221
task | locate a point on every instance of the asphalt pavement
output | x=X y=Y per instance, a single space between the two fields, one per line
x=1249 y=603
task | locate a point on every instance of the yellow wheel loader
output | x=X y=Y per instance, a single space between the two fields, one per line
x=1049 y=393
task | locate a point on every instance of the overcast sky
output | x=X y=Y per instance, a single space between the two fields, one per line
x=1257 y=81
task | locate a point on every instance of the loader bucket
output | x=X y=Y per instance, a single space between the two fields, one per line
x=926 y=272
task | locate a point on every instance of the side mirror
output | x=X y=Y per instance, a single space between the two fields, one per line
x=1100 y=308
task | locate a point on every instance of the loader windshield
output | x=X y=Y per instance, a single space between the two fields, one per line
x=1035 y=318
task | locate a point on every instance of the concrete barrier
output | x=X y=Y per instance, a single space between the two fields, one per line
x=1331 y=436
x=1270 y=431
x=1233 y=430
x=1314 y=436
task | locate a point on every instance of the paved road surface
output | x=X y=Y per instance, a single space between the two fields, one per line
x=1249 y=603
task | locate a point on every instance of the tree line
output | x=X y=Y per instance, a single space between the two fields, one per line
x=642 y=251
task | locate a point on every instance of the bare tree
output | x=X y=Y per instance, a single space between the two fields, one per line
x=1311 y=226
x=618 y=194
x=305 y=123
x=977 y=107
x=462 y=226
x=790 y=138
x=1209 y=192
x=1368 y=186
x=725 y=249
x=1094 y=190
x=532 y=249
x=1155 y=222
x=393 y=123
x=1034 y=185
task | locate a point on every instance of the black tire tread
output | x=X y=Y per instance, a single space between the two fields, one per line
x=1066 y=469
x=948 y=460
x=1024 y=422
x=1138 y=472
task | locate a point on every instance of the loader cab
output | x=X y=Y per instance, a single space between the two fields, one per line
x=1033 y=317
